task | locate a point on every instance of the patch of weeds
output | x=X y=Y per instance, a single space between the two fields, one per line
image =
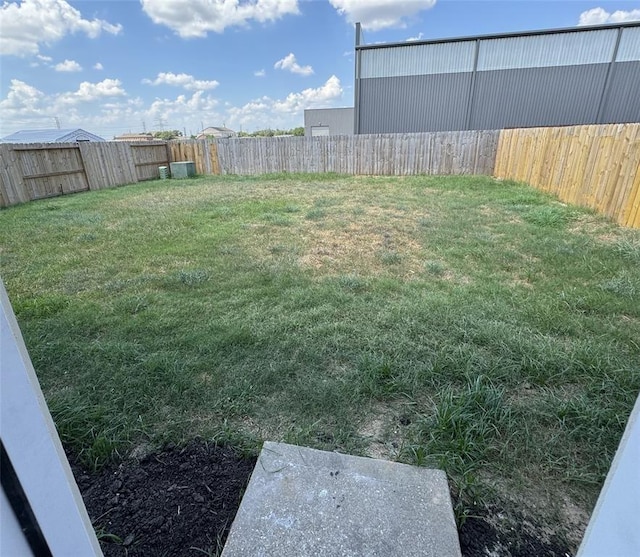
x=622 y=285
x=547 y=216
x=132 y=305
x=316 y=214
x=389 y=257
x=465 y=428
x=95 y=435
x=435 y=268
x=353 y=282
x=277 y=219
x=377 y=376
x=40 y=307
x=291 y=208
x=466 y=422
x=325 y=202
x=628 y=248
x=87 y=237
x=278 y=249
x=193 y=277
x=104 y=536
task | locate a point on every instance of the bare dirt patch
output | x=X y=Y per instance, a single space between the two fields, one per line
x=362 y=249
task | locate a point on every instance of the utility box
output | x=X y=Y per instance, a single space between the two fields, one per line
x=185 y=169
x=164 y=172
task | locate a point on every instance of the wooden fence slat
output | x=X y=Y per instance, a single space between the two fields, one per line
x=596 y=166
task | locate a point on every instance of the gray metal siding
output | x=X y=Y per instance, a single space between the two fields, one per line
x=339 y=120
x=548 y=78
x=414 y=103
x=623 y=100
x=538 y=96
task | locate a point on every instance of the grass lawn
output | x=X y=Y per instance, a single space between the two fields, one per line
x=457 y=322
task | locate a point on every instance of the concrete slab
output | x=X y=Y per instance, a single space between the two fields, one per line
x=304 y=502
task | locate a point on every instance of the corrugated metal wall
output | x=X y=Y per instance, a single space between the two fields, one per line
x=623 y=97
x=418 y=103
x=566 y=77
x=530 y=97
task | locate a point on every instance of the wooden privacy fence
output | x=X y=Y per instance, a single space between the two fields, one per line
x=38 y=170
x=596 y=166
x=457 y=152
x=203 y=153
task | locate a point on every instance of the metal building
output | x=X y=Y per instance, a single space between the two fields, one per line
x=328 y=121
x=578 y=75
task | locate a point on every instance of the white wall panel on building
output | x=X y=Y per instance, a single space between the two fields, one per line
x=629 y=49
x=539 y=51
x=418 y=59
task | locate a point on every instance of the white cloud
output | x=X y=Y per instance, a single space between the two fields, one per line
x=265 y=112
x=198 y=105
x=598 y=16
x=88 y=92
x=195 y=18
x=106 y=109
x=290 y=64
x=68 y=66
x=311 y=98
x=260 y=73
x=44 y=58
x=418 y=37
x=98 y=66
x=33 y=22
x=182 y=80
x=21 y=95
x=380 y=14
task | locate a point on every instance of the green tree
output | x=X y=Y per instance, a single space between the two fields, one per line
x=167 y=135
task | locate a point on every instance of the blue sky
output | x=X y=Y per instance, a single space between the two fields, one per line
x=113 y=67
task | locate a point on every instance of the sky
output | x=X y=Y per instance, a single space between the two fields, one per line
x=121 y=66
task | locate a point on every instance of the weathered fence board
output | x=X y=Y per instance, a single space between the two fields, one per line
x=108 y=164
x=464 y=152
x=147 y=157
x=12 y=189
x=49 y=169
x=596 y=166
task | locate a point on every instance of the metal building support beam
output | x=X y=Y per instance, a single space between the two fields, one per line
x=356 y=83
x=607 y=81
x=472 y=88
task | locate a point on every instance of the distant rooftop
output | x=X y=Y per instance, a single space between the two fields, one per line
x=216 y=131
x=134 y=137
x=70 y=135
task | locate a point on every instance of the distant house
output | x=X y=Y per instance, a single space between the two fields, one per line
x=134 y=137
x=51 y=136
x=216 y=132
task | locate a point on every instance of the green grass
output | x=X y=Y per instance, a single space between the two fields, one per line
x=479 y=325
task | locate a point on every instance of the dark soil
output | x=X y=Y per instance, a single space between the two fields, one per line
x=182 y=501
x=513 y=537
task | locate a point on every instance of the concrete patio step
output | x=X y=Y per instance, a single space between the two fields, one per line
x=304 y=502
